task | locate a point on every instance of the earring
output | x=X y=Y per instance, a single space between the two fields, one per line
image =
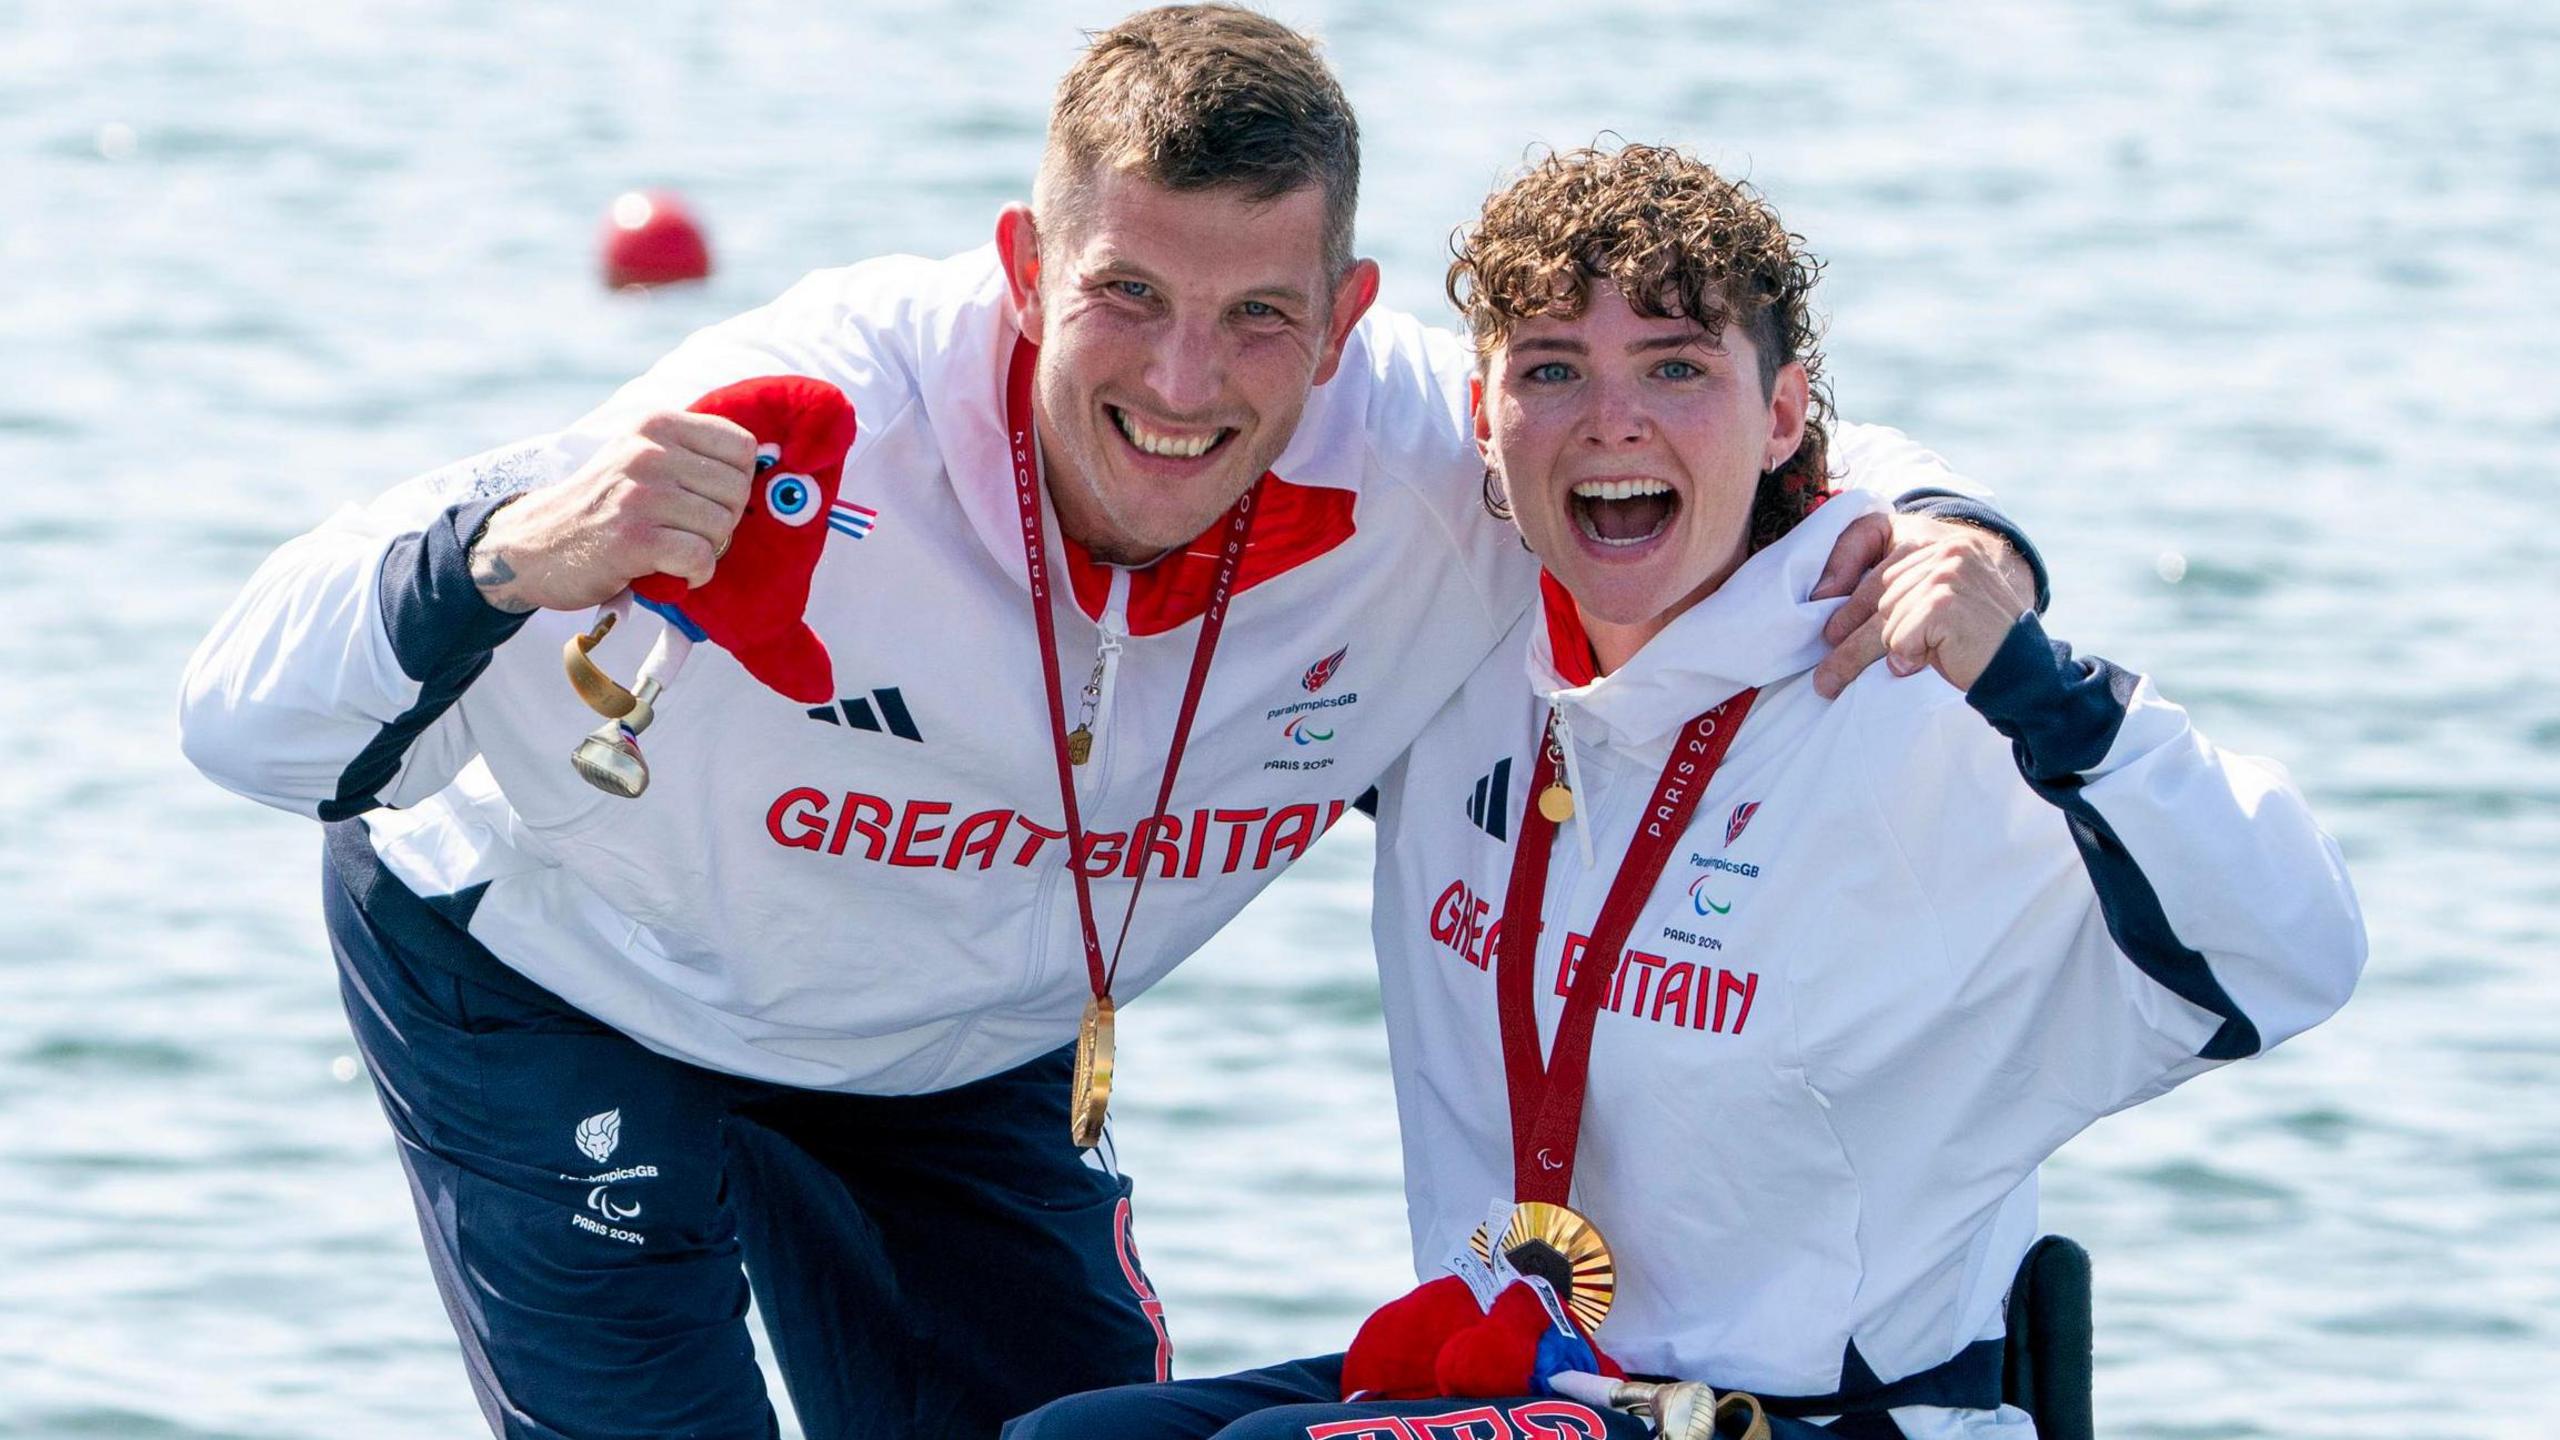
x=1498 y=504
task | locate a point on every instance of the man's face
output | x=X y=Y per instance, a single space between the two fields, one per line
x=1631 y=448
x=1180 y=333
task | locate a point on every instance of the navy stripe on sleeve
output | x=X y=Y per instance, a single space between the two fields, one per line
x=442 y=631
x=1961 y=509
x=2061 y=715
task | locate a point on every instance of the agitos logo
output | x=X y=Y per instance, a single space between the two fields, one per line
x=1303 y=731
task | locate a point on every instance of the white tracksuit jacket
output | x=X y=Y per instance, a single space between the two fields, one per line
x=871 y=896
x=1883 y=976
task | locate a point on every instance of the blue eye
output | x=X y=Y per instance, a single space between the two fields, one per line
x=791 y=499
x=767 y=456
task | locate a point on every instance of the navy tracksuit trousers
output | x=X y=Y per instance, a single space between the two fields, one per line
x=594 y=1213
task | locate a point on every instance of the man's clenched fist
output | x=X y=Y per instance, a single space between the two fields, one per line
x=661 y=498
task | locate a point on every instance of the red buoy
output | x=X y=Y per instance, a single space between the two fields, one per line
x=650 y=238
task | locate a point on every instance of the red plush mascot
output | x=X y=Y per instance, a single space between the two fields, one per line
x=1436 y=1342
x=754 y=604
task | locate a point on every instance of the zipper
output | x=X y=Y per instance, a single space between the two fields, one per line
x=1103 y=683
x=1583 y=799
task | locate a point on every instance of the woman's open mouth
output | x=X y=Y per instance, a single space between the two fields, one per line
x=1623 y=513
x=1167 y=444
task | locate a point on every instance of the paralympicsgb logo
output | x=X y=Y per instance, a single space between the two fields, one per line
x=1320 y=674
x=1741 y=817
x=599 y=1135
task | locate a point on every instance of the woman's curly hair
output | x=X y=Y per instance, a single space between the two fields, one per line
x=1677 y=239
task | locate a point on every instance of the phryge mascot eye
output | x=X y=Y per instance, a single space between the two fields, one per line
x=753 y=605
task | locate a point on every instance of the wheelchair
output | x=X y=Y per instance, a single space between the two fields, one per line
x=2049 y=1355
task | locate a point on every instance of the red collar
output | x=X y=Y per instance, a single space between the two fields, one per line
x=1575 y=660
x=1293 y=525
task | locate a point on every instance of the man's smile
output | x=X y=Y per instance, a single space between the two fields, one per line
x=1171 y=443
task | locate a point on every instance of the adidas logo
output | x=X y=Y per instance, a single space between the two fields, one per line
x=1490 y=806
x=857 y=712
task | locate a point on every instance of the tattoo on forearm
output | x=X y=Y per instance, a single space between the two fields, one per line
x=493 y=575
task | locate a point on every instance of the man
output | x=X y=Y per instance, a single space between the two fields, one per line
x=802 y=1005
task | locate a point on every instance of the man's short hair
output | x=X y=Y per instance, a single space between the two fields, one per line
x=1678 y=240
x=1195 y=97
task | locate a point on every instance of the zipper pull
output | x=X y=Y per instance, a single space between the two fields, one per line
x=1567 y=783
x=1556 y=801
x=1080 y=739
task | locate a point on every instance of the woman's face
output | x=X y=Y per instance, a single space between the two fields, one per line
x=1632 y=448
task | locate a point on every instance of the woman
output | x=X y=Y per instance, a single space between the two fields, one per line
x=1788 y=996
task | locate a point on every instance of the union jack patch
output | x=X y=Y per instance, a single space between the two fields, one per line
x=1741 y=816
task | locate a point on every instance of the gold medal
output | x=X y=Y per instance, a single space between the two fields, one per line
x=1079 y=745
x=1091 y=1095
x=1565 y=1250
x=1556 y=803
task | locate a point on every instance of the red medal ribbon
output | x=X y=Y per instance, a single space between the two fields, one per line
x=1546 y=1097
x=1035 y=557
